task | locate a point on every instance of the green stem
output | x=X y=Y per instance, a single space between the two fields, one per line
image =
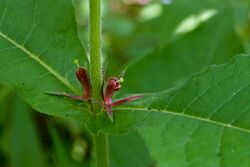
x=95 y=50
x=100 y=140
x=101 y=148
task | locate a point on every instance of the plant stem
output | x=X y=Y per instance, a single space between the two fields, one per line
x=101 y=148
x=101 y=139
x=95 y=50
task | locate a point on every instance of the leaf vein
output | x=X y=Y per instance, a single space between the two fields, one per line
x=41 y=62
x=4 y=12
x=228 y=100
x=189 y=117
x=204 y=93
x=189 y=140
x=220 y=146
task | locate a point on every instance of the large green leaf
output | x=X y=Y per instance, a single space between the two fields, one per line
x=203 y=121
x=38 y=44
x=154 y=32
x=172 y=16
x=183 y=55
x=128 y=150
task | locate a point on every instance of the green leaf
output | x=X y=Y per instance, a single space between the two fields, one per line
x=150 y=34
x=25 y=145
x=209 y=113
x=128 y=150
x=185 y=54
x=168 y=21
x=38 y=44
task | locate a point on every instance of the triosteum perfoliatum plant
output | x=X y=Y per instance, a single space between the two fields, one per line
x=183 y=100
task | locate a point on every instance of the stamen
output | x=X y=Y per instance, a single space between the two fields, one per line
x=121 y=80
x=76 y=61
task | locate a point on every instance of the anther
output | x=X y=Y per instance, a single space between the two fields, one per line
x=76 y=61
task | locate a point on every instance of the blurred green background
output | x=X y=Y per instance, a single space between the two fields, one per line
x=176 y=38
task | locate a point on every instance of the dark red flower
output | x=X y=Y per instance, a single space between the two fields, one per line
x=82 y=76
x=113 y=85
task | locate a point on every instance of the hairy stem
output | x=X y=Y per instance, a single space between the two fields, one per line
x=95 y=50
x=100 y=140
x=101 y=148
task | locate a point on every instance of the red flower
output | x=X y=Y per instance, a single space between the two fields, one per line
x=82 y=76
x=113 y=85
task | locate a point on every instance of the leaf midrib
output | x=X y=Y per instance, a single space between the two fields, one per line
x=189 y=117
x=41 y=62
